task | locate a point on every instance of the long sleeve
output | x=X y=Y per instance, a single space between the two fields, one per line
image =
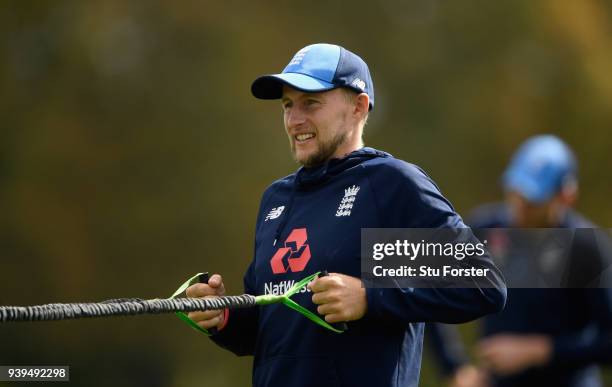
x=414 y=201
x=451 y=306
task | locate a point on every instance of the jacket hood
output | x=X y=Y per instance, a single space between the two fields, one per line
x=306 y=178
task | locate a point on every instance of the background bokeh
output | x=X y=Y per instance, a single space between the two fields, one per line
x=133 y=155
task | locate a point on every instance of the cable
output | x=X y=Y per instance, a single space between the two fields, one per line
x=135 y=306
x=121 y=307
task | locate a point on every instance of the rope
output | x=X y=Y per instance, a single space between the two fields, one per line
x=135 y=306
x=121 y=307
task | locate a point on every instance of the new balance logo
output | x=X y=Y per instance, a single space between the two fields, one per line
x=274 y=213
x=346 y=204
x=358 y=83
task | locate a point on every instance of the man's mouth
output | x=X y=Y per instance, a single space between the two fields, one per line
x=303 y=137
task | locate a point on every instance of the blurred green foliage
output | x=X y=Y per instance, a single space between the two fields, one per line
x=133 y=155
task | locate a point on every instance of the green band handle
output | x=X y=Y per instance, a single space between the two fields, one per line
x=266 y=299
x=182 y=315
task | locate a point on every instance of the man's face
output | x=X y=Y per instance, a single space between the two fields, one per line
x=527 y=214
x=317 y=124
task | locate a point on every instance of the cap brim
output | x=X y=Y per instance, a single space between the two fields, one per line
x=271 y=86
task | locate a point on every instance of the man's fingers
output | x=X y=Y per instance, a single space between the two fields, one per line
x=207 y=315
x=487 y=352
x=333 y=309
x=322 y=284
x=207 y=324
x=324 y=298
x=214 y=287
x=325 y=309
x=334 y=318
x=317 y=285
x=216 y=282
x=200 y=290
x=487 y=346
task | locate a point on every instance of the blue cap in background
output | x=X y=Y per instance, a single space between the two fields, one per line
x=540 y=168
x=315 y=68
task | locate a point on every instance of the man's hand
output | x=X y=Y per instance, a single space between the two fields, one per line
x=340 y=297
x=509 y=354
x=469 y=376
x=214 y=288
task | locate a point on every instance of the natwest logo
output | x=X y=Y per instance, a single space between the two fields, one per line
x=294 y=256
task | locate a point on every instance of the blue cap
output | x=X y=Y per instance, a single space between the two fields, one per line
x=540 y=168
x=315 y=68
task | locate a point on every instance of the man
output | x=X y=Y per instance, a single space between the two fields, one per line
x=545 y=336
x=311 y=220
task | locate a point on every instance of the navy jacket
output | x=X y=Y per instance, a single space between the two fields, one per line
x=311 y=221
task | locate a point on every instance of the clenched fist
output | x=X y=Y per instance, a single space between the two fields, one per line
x=214 y=288
x=340 y=297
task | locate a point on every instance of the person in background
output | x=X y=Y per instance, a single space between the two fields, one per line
x=544 y=336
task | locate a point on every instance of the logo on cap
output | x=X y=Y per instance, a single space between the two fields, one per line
x=297 y=58
x=358 y=83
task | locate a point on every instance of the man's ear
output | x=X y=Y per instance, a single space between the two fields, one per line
x=569 y=195
x=362 y=105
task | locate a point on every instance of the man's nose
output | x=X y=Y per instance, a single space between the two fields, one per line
x=295 y=117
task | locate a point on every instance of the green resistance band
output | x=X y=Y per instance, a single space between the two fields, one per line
x=262 y=300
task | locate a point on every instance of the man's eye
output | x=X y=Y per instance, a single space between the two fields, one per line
x=311 y=102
